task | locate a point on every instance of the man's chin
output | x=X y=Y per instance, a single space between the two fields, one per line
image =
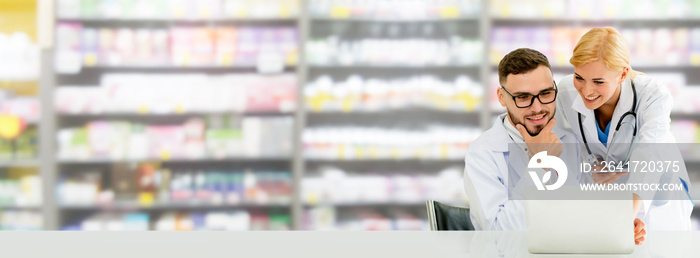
x=533 y=130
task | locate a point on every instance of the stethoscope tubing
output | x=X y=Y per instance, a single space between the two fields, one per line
x=632 y=112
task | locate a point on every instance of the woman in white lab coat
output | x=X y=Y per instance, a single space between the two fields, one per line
x=605 y=92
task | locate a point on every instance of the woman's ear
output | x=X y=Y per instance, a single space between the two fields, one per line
x=623 y=76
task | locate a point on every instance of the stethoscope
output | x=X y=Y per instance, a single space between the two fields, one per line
x=591 y=158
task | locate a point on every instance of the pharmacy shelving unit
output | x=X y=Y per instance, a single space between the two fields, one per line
x=338 y=23
x=21 y=17
x=690 y=71
x=65 y=214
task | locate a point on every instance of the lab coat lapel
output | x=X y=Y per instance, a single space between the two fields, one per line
x=501 y=142
x=516 y=161
x=623 y=105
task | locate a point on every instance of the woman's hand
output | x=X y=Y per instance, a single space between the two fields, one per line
x=604 y=178
x=607 y=177
x=640 y=231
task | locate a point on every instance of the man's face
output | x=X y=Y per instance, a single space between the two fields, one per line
x=536 y=116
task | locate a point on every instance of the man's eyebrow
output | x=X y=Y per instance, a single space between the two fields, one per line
x=522 y=92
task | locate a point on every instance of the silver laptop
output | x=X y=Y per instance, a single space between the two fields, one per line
x=581 y=226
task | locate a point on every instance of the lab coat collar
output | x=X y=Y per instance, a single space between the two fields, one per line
x=500 y=138
x=512 y=131
x=624 y=104
x=587 y=119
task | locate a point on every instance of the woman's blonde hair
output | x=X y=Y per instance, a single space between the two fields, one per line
x=606 y=44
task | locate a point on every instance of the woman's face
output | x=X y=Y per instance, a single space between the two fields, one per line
x=597 y=85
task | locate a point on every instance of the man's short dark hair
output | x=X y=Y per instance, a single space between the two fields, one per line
x=521 y=60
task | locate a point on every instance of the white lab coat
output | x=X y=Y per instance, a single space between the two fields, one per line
x=494 y=170
x=654 y=104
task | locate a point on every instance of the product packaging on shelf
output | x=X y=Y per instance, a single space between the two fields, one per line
x=177 y=94
x=345 y=143
x=336 y=186
x=20 y=187
x=177 y=9
x=410 y=10
x=388 y=52
x=149 y=184
x=358 y=94
x=362 y=218
x=21 y=220
x=20 y=57
x=177 y=46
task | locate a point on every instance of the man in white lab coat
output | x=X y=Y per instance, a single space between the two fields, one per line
x=497 y=161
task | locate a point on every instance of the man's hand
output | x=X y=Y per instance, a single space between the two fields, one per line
x=544 y=141
x=640 y=231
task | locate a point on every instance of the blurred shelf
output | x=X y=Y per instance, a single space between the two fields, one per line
x=32 y=123
x=22 y=82
x=156 y=115
x=692 y=160
x=689 y=116
x=392 y=112
x=361 y=204
x=165 y=22
x=28 y=88
x=389 y=67
x=20 y=207
x=494 y=115
x=550 y=22
x=167 y=206
x=380 y=204
x=8 y=80
x=172 y=69
x=174 y=161
x=558 y=68
x=380 y=161
x=383 y=167
x=410 y=118
x=19 y=163
x=392 y=20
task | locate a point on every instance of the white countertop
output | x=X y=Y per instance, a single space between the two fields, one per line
x=308 y=244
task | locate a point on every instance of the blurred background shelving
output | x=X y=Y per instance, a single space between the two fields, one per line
x=388 y=89
x=175 y=115
x=21 y=190
x=283 y=114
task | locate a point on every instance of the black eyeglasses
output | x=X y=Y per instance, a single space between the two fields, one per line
x=526 y=99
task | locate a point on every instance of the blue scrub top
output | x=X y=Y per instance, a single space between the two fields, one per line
x=603 y=135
